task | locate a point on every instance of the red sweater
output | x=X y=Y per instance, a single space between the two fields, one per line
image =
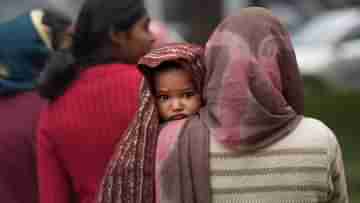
x=77 y=132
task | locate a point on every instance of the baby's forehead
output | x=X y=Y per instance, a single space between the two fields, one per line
x=174 y=80
x=179 y=76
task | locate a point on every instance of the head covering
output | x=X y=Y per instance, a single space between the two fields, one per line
x=254 y=96
x=130 y=174
x=254 y=88
x=23 y=53
x=188 y=55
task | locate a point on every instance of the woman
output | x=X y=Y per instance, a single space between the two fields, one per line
x=94 y=93
x=25 y=46
x=262 y=148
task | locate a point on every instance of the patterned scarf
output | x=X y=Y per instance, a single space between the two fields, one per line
x=130 y=175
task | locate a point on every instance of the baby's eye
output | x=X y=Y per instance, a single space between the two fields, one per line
x=189 y=94
x=162 y=97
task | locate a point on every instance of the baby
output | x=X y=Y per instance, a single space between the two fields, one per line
x=175 y=73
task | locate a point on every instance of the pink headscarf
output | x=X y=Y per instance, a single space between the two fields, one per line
x=163 y=34
x=254 y=90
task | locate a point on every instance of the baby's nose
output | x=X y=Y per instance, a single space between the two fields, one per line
x=177 y=105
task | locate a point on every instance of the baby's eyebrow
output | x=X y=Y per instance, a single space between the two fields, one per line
x=190 y=90
x=165 y=91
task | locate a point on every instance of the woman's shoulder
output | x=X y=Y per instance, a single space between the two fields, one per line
x=111 y=70
x=106 y=77
x=106 y=85
x=312 y=133
x=312 y=126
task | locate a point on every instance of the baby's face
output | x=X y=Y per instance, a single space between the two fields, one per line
x=176 y=96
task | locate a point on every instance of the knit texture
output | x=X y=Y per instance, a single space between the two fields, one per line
x=304 y=167
x=78 y=131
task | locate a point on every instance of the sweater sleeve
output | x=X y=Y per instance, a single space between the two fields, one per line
x=340 y=194
x=54 y=184
x=337 y=177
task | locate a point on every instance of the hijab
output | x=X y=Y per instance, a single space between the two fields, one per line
x=253 y=87
x=24 y=50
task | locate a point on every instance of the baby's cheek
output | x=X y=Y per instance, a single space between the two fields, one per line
x=162 y=109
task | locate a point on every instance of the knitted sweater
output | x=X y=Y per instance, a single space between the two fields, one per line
x=304 y=167
x=78 y=131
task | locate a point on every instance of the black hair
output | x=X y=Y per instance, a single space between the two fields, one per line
x=58 y=73
x=58 y=23
x=94 y=23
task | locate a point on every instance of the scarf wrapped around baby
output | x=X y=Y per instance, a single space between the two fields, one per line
x=130 y=176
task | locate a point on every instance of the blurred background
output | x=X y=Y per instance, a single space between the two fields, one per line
x=326 y=38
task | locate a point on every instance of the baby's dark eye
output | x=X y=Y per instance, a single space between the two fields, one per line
x=189 y=94
x=162 y=97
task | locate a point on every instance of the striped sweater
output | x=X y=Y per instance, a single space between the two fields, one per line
x=304 y=167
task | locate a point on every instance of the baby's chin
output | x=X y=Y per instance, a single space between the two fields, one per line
x=177 y=118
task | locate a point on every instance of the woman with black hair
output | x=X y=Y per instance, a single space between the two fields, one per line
x=93 y=94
